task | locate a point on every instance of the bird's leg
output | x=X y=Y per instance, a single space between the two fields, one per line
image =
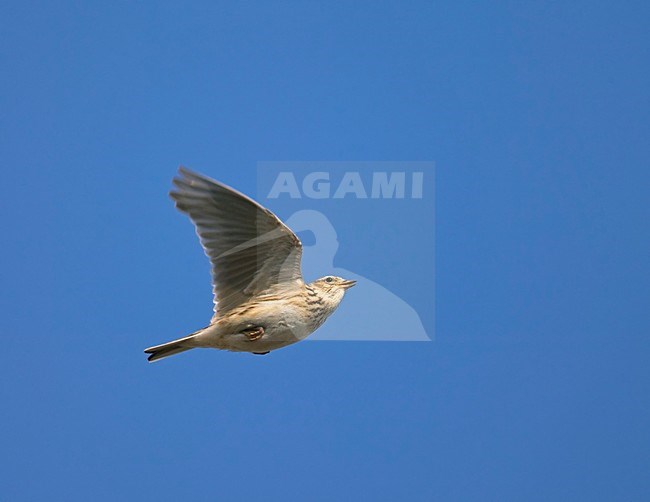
x=254 y=333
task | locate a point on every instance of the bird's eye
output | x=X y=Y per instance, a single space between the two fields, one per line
x=329 y=279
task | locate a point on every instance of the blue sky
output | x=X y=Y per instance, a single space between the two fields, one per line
x=537 y=384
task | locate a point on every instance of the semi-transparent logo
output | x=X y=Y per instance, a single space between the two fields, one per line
x=372 y=222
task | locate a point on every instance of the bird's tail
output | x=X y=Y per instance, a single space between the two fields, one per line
x=171 y=348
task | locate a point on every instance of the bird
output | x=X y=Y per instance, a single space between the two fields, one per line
x=261 y=301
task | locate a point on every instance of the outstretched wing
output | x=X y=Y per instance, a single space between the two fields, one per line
x=250 y=249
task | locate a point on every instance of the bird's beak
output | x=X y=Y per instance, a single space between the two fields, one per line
x=348 y=284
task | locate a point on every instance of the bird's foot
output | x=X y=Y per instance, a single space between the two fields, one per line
x=254 y=333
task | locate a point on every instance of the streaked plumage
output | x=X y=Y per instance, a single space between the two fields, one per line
x=256 y=276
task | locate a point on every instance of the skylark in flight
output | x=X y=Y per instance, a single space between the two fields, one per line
x=261 y=302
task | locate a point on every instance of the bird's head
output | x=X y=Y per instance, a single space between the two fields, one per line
x=332 y=287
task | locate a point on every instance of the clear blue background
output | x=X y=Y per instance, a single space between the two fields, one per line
x=538 y=384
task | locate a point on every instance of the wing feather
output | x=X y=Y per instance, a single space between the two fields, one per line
x=251 y=251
